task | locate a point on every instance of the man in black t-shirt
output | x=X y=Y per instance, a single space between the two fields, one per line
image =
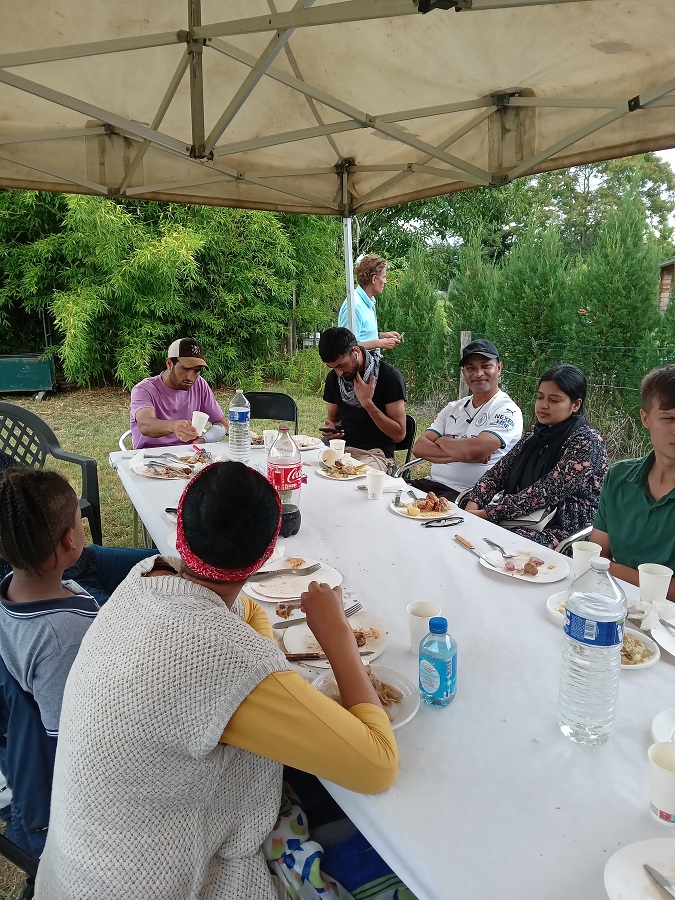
x=365 y=397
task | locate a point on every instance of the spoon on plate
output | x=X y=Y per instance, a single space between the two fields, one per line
x=496 y=546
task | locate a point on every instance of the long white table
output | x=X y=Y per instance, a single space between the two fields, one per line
x=491 y=800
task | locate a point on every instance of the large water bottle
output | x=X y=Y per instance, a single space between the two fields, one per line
x=438 y=664
x=240 y=427
x=595 y=612
x=284 y=472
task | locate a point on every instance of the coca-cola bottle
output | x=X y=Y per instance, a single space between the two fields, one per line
x=284 y=472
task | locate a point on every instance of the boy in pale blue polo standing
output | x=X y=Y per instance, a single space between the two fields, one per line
x=371 y=275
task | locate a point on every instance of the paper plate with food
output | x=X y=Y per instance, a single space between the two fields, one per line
x=344 y=468
x=638 y=651
x=288 y=586
x=257 y=440
x=541 y=566
x=429 y=507
x=399 y=697
x=369 y=629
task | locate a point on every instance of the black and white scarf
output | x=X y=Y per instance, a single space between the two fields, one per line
x=371 y=370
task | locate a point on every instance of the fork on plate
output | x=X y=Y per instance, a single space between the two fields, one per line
x=272 y=573
x=349 y=611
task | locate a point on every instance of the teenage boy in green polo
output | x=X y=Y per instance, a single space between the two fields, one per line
x=635 y=522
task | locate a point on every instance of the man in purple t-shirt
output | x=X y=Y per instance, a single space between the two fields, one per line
x=162 y=406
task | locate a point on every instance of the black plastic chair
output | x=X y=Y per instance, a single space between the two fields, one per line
x=273 y=405
x=409 y=439
x=28 y=440
x=16 y=856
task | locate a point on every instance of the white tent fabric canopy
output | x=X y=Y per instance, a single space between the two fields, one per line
x=332 y=107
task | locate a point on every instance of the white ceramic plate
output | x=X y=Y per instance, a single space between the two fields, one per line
x=324 y=474
x=307 y=442
x=649 y=644
x=665 y=637
x=399 y=713
x=625 y=876
x=663 y=726
x=299 y=639
x=552 y=606
x=555 y=566
x=423 y=517
x=289 y=587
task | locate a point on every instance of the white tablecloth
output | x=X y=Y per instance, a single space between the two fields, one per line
x=491 y=800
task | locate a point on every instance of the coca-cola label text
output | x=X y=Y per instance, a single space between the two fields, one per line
x=284 y=478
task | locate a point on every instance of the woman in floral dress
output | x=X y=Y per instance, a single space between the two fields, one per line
x=560 y=464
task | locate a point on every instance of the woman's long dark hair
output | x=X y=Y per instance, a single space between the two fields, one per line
x=570 y=380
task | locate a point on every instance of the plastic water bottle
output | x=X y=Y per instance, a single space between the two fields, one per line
x=595 y=613
x=438 y=664
x=240 y=427
x=284 y=472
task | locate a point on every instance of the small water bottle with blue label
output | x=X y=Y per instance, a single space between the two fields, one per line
x=438 y=664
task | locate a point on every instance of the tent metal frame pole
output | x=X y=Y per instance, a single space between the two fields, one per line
x=95 y=48
x=366 y=120
x=157 y=121
x=28 y=138
x=94 y=112
x=350 y=11
x=195 y=49
x=92 y=186
x=267 y=57
x=349 y=270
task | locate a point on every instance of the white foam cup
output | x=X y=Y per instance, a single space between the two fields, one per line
x=269 y=437
x=654 y=582
x=199 y=420
x=375 y=483
x=662 y=781
x=419 y=614
x=582 y=554
x=338 y=446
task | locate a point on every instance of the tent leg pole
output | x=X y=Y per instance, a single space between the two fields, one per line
x=349 y=270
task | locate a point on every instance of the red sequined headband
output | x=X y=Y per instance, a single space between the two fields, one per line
x=205 y=570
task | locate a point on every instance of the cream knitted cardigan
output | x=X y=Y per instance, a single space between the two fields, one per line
x=146 y=803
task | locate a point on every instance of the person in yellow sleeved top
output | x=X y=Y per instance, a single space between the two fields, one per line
x=180 y=710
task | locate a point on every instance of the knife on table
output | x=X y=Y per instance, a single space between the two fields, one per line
x=469 y=546
x=668 y=886
x=301 y=657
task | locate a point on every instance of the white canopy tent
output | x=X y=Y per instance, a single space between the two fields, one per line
x=331 y=107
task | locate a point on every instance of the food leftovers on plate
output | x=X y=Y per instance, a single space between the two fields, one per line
x=304 y=442
x=257 y=439
x=201 y=456
x=169 y=472
x=634 y=652
x=295 y=561
x=428 y=506
x=525 y=565
x=340 y=469
x=388 y=695
x=285 y=610
x=362 y=635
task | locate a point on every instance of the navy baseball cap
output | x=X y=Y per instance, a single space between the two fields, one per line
x=482 y=348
